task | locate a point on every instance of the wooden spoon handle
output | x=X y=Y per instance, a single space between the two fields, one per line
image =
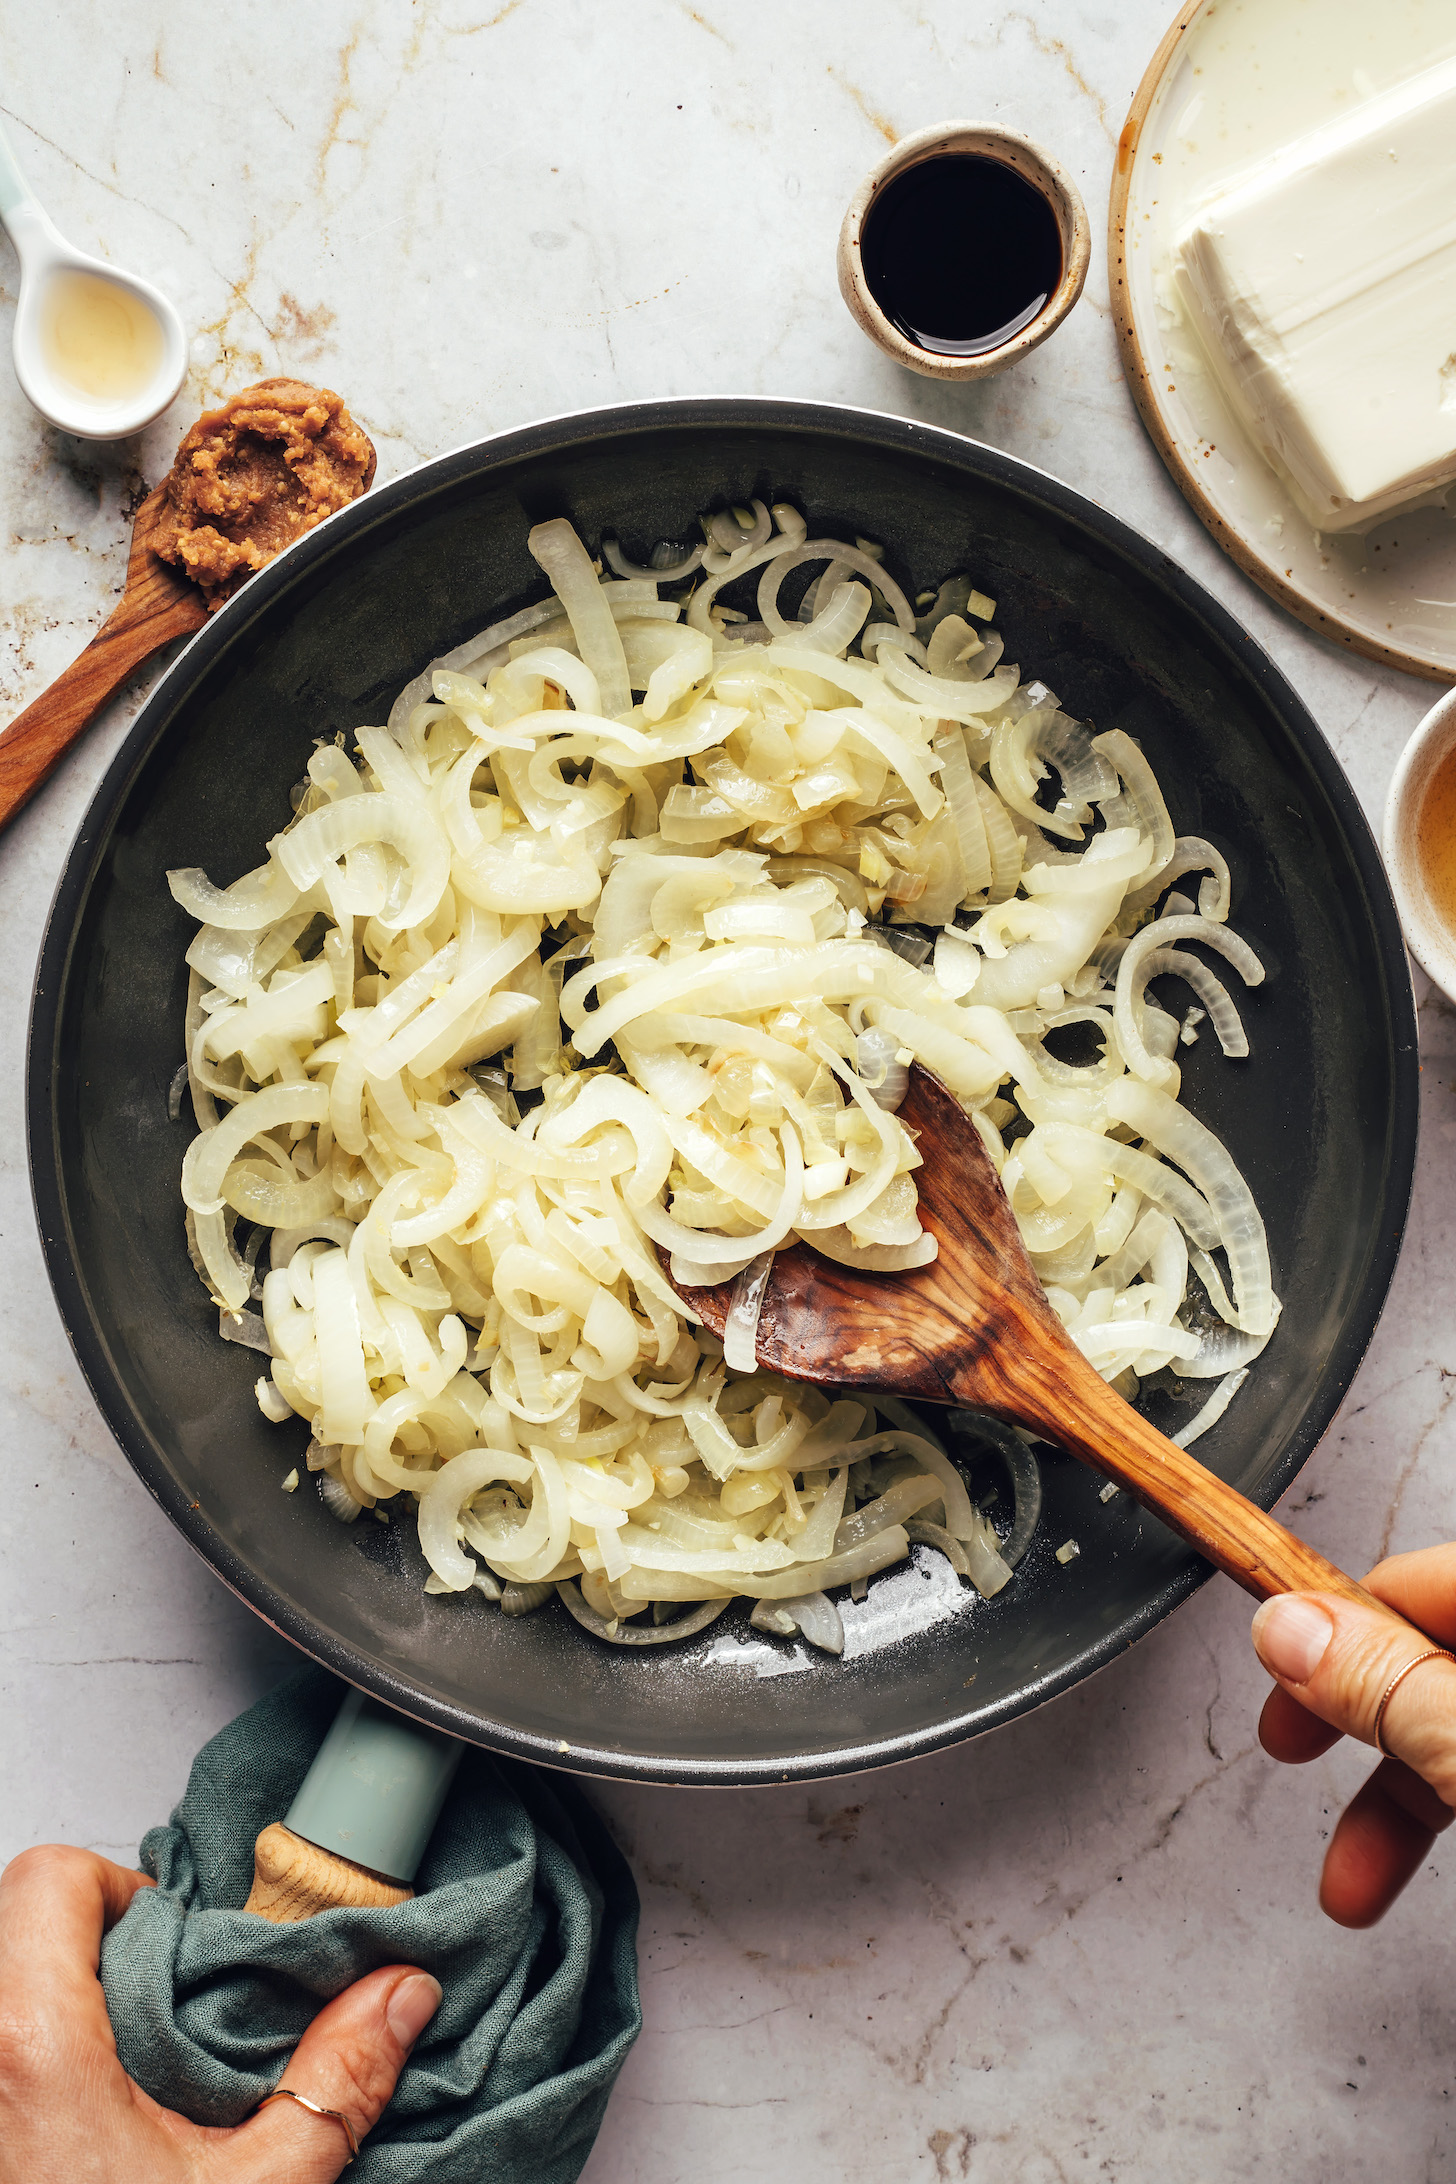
x=1076 y=1409
x=293 y=1880
x=39 y=738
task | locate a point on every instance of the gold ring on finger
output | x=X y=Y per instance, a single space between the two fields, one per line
x=1433 y=1653
x=336 y=2115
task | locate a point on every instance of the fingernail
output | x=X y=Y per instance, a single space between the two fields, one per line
x=1290 y=1636
x=412 y=2005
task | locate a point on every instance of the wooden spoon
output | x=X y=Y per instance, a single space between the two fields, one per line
x=157 y=604
x=975 y=1328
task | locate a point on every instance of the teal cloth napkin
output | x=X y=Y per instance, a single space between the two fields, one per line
x=526 y=1913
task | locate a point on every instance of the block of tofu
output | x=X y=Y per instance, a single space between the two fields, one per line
x=1323 y=287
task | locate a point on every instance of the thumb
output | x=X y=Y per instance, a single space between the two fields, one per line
x=348 y=2061
x=1340 y=1659
x=1356 y=1669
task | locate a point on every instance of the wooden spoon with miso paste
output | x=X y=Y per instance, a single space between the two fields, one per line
x=249 y=478
x=974 y=1327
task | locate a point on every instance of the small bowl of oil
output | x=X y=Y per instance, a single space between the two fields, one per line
x=97 y=350
x=1419 y=841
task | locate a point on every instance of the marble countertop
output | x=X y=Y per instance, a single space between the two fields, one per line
x=1086 y=1946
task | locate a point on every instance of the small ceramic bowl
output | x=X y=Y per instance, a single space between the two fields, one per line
x=1429 y=938
x=967 y=139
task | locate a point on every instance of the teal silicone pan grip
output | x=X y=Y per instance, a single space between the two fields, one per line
x=374 y=1791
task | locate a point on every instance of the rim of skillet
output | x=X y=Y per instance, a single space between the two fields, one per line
x=83 y=860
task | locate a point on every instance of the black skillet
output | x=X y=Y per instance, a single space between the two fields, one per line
x=1322 y=1117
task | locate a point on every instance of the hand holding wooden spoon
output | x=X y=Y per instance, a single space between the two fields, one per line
x=974 y=1327
x=1341 y=1668
x=248 y=479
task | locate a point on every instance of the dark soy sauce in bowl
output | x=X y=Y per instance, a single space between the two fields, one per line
x=961 y=253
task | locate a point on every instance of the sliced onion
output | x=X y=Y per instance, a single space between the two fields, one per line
x=524 y=1599
x=258 y=899
x=451 y=1487
x=1182 y=1137
x=1022 y=1470
x=838 y=1244
x=337 y=1499
x=347 y=1401
x=1141 y=803
x=740 y=1329
x=1190 y=854
x=312 y=848
x=666 y=572
x=630 y=1634
x=472 y=653
x=965 y=811
x=835 y=628
x=967 y=702
x=207 y=1159
x=953 y=643
x=1213 y=1409
x=1224 y=1350
x=990 y=1572
x=1017 y=769
x=561 y=554
x=464 y=1300
x=813 y=1615
x=828 y=549
x=1221 y=1013
x=246 y=1328
x=888 y=1509
x=920 y=1533
x=1002 y=843
x=874 y=1555
x=886 y=1078
x=1133 y=973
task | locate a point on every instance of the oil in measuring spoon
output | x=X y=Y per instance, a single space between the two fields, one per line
x=1436 y=840
x=960 y=253
x=99 y=338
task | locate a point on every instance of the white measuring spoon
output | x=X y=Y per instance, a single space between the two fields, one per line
x=97 y=351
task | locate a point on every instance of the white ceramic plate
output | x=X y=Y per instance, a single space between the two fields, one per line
x=1232 y=82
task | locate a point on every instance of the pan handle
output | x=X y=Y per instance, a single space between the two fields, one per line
x=294 y=1879
x=356 y=1832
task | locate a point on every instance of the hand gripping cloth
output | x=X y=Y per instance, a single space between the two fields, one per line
x=525 y=1912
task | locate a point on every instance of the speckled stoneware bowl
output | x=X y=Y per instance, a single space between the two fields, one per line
x=1321 y=1117
x=966 y=140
